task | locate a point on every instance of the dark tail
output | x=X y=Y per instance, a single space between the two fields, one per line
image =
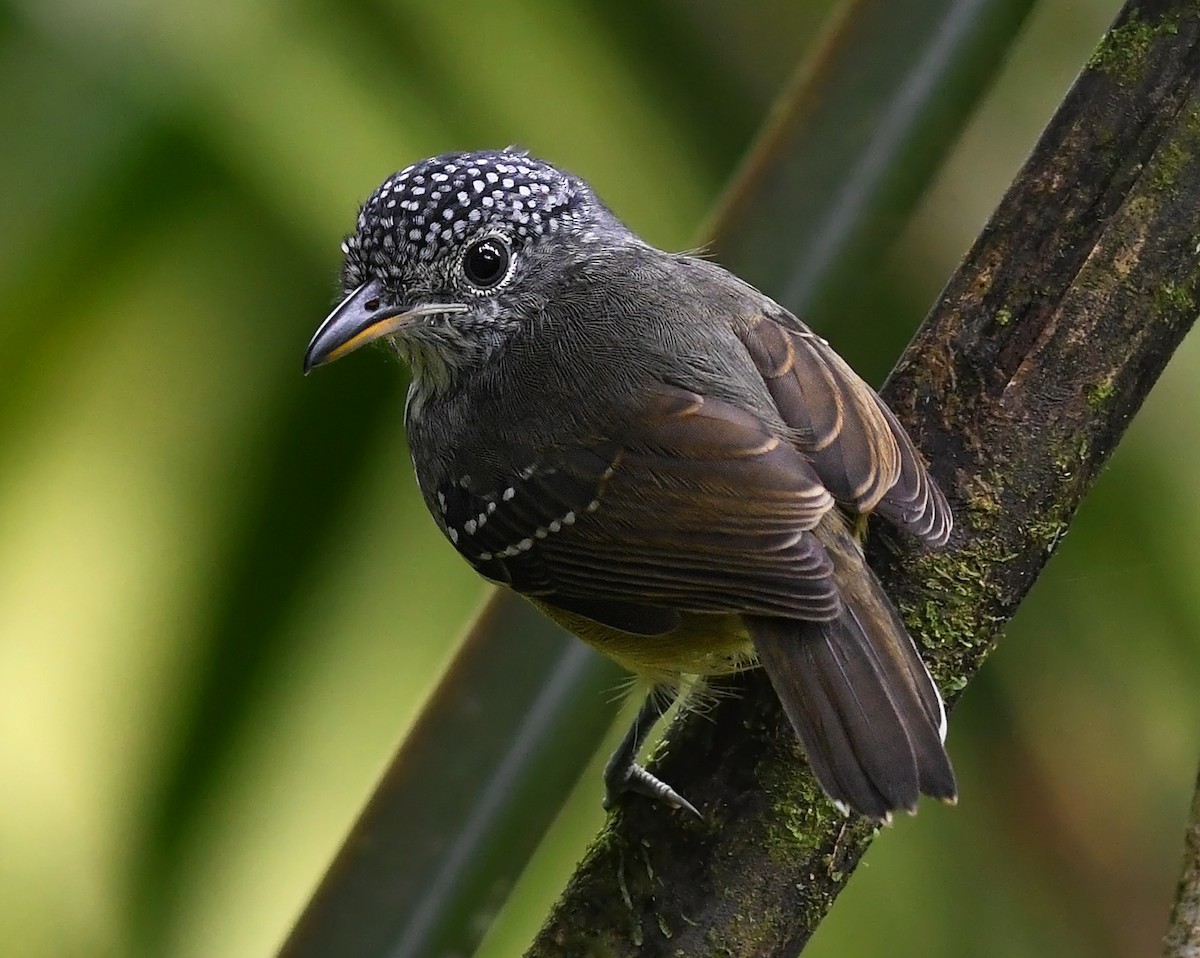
x=859 y=696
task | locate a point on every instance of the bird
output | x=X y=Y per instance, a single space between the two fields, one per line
x=656 y=455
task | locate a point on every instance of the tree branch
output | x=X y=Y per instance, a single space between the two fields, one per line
x=1183 y=935
x=1018 y=386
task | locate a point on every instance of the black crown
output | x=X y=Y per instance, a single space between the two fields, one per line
x=434 y=205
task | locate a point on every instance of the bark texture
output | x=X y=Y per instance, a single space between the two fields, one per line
x=1183 y=934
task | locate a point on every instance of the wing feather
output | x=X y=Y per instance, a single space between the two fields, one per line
x=693 y=503
x=858 y=448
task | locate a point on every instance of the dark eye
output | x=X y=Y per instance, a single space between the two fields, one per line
x=485 y=263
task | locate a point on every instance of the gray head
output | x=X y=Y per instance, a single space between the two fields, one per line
x=451 y=256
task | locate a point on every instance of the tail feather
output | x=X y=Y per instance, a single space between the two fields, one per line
x=913 y=694
x=826 y=735
x=859 y=697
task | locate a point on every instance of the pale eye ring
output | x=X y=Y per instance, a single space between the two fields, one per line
x=487 y=262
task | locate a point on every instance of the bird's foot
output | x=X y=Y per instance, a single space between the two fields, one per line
x=633 y=778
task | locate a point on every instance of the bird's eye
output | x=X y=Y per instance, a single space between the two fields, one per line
x=485 y=263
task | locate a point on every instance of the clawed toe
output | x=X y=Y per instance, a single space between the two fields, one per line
x=634 y=778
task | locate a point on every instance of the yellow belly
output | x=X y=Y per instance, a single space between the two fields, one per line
x=702 y=645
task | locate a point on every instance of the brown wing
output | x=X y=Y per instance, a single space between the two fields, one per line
x=859 y=450
x=695 y=506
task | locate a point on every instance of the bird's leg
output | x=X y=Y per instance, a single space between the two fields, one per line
x=623 y=773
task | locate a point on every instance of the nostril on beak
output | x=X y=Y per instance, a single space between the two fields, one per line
x=371 y=305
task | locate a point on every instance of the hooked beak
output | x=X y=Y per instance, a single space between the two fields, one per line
x=361 y=318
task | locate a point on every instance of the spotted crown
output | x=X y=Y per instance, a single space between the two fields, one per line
x=431 y=206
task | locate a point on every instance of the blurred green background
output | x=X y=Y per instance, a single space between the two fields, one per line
x=221 y=602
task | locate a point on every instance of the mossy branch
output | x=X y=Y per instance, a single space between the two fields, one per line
x=1183 y=933
x=1018 y=386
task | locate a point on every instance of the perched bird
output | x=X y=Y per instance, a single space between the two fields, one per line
x=656 y=455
